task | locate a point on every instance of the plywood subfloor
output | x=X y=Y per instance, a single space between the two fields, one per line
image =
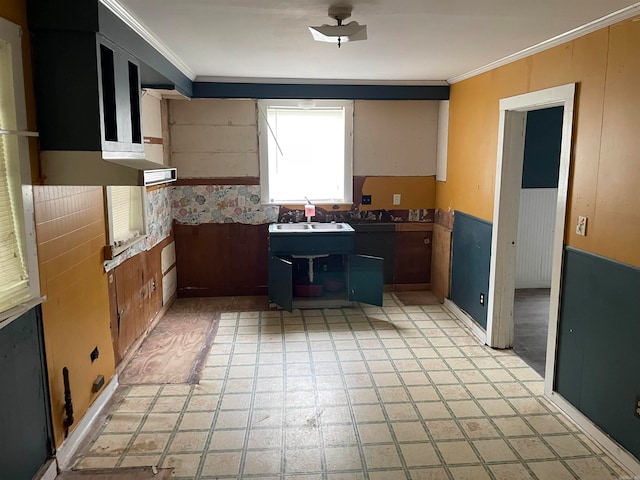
x=126 y=473
x=176 y=349
x=424 y=297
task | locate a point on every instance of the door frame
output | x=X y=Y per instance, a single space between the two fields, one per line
x=511 y=138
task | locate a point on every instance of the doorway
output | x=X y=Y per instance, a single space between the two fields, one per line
x=534 y=245
x=509 y=169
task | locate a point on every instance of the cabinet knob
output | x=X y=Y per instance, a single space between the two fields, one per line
x=427 y=241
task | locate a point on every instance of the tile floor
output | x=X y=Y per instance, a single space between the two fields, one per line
x=363 y=393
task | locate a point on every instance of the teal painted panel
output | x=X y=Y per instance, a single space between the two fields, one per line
x=598 y=345
x=542 y=148
x=281 y=282
x=24 y=403
x=366 y=279
x=470 y=263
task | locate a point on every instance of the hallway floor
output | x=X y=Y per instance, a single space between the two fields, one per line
x=396 y=392
x=531 y=325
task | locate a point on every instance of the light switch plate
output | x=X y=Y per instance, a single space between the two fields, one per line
x=581 y=228
x=396 y=199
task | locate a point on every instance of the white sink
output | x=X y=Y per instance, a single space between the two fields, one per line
x=327 y=226
x=292 y=226
x=309 y=227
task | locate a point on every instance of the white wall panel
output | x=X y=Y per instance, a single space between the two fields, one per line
x=535 y=237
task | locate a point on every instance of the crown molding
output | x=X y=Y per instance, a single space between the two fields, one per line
x=580 y=31
x=319 y=81
x=141 y=29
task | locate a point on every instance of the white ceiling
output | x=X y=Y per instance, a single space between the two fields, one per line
x=409 y=40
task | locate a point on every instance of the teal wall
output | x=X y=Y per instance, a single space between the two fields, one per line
x=599 y=343
x=470 y=263
x=542 y=148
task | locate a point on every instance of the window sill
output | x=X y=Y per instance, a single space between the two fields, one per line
x=112 y=251
x=10 y=315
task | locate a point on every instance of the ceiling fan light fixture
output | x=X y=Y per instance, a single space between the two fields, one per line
x=339 y=33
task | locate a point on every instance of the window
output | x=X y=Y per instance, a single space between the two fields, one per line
x=306 y=151
x=18 y=264
x=127 y=220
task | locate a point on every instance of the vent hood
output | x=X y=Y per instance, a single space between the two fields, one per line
x=91 y=168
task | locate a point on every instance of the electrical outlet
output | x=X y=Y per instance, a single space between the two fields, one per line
x=396 y=198
x=581 y=228
x=94 y=354
x=482 y=299
x=366 y=199
x=637 y=411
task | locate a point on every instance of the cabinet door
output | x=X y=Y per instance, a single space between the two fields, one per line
x=413 y=257
x=281 y=282
x=366 y=279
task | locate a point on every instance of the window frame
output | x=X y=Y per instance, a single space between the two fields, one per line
x=263 y=145
x=12 y=33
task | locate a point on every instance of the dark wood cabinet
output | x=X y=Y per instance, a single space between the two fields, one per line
x=413 y=257
x=135 y=287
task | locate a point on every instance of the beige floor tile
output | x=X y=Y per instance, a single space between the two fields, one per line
x=495 y=450
x=97 y=462
x=464 y=409
x=159 y=422
x=479 y=428
x=222 y=463
x=143 y=391
x=498 y=375
x=400 y=412
x=302 y=437
x=453 y=392
x=410 y=432
x=566 y=445
x=123 y=423
x=110 y=443
x=363 y=395
x=442 y=378
x=149 y=443
x=550 y=469
x=528 y=406
x=476 y=472
x=387 y=379
x=510 y=471
x=381 y=456
x=387 y=475
x=457 y=452
x=444 y=429
x=470 y=376
x=227 y=440
x=302 y=461
x=375 y=433
x=437 y=473
x=393 y=394
x=423 y=393
x=433 y=410
x=544 y=424
x=590 y=469
x=169 y=404
x=531 y=448
x=196 y=421
x=185 y=465
x=368 y=413
x=496 y=407
x=188 y=441
x=235 y=401
x=338 y=435
x=262 y=462
x=482 y=390
x=260 y=418
x=131 y=404
x=344 y=458
x=233 y=419
x=513 y=426
x=140 y=461
x=176 y=390
x=335 y=415
x=512 y=390
x=419 y=455
x=263 y=438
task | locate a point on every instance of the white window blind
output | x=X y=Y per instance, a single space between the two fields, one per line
x=127 y=218
x=14 y=276
x=308 y=149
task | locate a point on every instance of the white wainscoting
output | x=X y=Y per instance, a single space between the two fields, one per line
x=534 y=250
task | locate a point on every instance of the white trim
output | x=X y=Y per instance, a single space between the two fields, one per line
x=467 y=320
x=10 y=315
x=602 y=22
x=48 y=471
x=77 y=438
x=141 y=29
x=19 y=133
x=321 y=81
x=619 y=454
x=442 y=144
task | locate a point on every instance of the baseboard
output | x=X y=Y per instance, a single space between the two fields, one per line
x=411 y=287
x=48 y=471
x=77 y=438
x=618 y=453
x=461 y=315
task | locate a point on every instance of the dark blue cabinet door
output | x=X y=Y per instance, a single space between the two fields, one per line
x=366 y=279
x=281 y=282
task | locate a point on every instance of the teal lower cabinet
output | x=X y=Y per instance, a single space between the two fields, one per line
x=314 y=266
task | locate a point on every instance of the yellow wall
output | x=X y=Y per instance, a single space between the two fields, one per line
x=604 y=175
x=415 y=192
x=70 y=234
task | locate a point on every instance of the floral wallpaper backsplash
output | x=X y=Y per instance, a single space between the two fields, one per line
x=159 y=222
x=197 y=204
